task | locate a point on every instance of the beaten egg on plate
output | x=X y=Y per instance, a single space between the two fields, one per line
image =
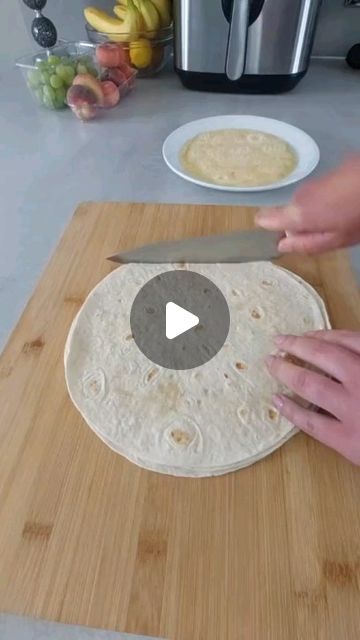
x=238 y=157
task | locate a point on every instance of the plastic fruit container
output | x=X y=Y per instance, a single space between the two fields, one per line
x=49 y=74
x=148 y=53
x=123 y=77
x=88 y=97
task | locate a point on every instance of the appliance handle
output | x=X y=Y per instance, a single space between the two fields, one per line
x=236 y=52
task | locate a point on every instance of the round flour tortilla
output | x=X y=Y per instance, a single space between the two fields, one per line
x=200 y=422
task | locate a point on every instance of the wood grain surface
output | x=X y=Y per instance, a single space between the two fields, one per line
x=269 y=553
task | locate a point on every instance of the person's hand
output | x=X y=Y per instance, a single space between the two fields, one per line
x=337 y=353
x=324 y=214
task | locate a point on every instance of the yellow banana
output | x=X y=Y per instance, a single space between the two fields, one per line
x=124 y=3
x=141 y=53
x=120 y=11
x=163 y=7
x=132 y=24
x=101 y=21
x=151 y=17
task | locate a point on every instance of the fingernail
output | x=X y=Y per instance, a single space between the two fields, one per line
x=280 y=339
x=284 y=246
x=269 y=361
x=278 y=401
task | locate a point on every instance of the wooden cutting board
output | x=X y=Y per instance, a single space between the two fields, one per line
x=269 y=553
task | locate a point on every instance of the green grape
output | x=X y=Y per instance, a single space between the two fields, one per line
x=81 y=68
x=55 y=81
x=49 y=93
x=66 y=73
x=61 y=95
x=59 y=104
x=54 y=60
x=48 y=103
x=92 y=71
x=34 y=78
x=69 y=73
x=42 y=65
x=61 y=71
x=45 y=77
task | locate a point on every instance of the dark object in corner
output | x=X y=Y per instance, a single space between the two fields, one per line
x=36 y=5
x=353 y=57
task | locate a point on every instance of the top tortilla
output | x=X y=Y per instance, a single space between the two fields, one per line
x=205 y=421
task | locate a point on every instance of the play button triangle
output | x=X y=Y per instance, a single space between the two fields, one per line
x=178 y=320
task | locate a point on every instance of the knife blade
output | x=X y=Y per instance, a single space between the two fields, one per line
x=236 y=246
x=13 y=627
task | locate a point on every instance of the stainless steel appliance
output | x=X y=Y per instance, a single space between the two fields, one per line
x=244 y=46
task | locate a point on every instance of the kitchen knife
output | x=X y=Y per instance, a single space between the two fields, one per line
x=14 y=627
x=237 y=246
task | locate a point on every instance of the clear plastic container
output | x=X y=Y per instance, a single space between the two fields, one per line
x=49 y=74
x=147 y=52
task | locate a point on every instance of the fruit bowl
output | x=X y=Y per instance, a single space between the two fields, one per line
x=49 y=74
x=147 y=52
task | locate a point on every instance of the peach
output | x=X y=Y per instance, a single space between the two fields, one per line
x=128 y=73
x=110 y=54
x=111 y=94
x=82 y=101
x=116 y=76
x=126 y=57
x=86 y=80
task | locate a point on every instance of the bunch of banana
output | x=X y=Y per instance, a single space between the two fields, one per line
x=134 y=18
x=129 y=28
x=163 y=9
x=148 y=12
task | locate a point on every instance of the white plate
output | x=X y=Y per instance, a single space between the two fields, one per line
x=305 y=147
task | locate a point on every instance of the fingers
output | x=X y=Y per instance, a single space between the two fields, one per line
x=348 y=339
x=311 y=386
x=323 y=428
x=310 y=242
x=326 y=204
x=280 y=218
x=331 y=358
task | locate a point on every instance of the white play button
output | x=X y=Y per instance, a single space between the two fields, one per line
x=184 y=305
x=178 y=320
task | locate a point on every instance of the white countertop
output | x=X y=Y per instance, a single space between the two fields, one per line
x=50 y=162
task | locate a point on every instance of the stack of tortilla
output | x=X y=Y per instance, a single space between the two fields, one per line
x=206 y=421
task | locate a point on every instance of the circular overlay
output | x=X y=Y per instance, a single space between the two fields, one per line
x=188 y=293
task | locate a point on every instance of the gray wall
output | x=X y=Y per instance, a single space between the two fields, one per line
x=338 y=29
